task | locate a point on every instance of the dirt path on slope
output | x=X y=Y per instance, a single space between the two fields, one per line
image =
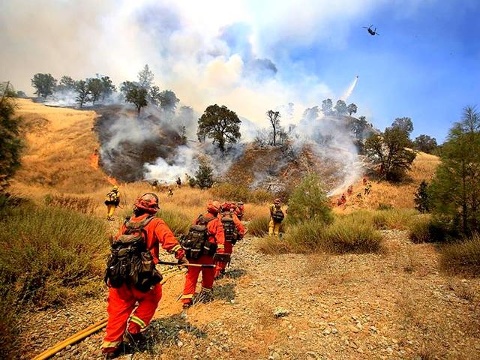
x=394 y=305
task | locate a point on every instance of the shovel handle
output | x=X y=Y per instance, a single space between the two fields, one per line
x=187 y=264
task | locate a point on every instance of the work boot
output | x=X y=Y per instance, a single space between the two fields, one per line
x=205 y=296
x=220 y=274
x=134 y=340
x=111 y=353
x=186 y=305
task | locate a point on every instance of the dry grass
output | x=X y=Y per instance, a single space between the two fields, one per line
x=387 y=195
x=58 y=154
x=400 y=290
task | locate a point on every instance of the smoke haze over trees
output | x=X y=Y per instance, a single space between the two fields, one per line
x=317 y=129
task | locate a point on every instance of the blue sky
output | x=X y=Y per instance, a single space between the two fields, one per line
x=253 y=56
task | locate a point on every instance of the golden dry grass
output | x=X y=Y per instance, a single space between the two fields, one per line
x=60 y=142
x=58 y=160
x=399 y=196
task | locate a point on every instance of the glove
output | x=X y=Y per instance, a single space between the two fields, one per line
x=182 y=261
x=180 y=256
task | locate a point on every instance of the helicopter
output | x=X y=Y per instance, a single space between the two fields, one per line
x=371 y=31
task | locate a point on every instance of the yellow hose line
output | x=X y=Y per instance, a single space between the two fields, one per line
x=89 y=330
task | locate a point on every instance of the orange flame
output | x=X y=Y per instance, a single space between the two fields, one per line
x=112 y=180
x=94 y=159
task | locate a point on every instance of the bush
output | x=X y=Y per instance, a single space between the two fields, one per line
x=419 y=231
x=259 y=226
x=178 y=222
x=399 y=219
x=204 y=174
x=273 y=245
x=309 y=202
x=442 y=229
x=347 y=234
x=9 y=317
x=461 y=257
x=306 y=237
x=235 y=192
x=47 y=255
x=231 y=192
x=383 y=206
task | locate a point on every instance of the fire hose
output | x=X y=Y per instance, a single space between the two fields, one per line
x=169 y=273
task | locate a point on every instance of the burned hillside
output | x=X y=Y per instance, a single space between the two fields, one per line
x=134 y=148
x=128 y=141
x=277 y=168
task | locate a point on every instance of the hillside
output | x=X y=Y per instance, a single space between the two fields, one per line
x=62 y=143
x=393 y=305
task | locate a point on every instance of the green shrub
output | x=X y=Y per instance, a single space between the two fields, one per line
x=48 y=254
x=383 y=206
x=461 y=257
x=259 y=226
x=419 y=231
x=443 y=229
x=259 y=196
x=308 y=201
x=231 y=192
x=348 y=235
x=306 y=237
x=9 y=317
x=178 y=222
x=398 y=219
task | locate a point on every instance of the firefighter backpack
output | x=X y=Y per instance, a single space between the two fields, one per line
x=277 y=216
x=229 y=228
x=112 y=198
x=196 y=243
x=130 y=262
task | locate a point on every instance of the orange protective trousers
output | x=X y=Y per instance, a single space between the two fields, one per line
x=121 y=306
x=221 y=265
x=192 y=276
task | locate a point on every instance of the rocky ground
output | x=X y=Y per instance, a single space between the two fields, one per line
x=392 y=305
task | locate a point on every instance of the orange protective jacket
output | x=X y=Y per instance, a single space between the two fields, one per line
x=158 y=234
x=215 y=230
x=127 y=306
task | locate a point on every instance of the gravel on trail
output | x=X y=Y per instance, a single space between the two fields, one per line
x=392 y=305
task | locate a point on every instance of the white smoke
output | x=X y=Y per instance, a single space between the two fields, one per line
x=349 y=90
x=184 y=163
x=330 y=139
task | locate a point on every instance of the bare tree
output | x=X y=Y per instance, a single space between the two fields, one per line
x=274 y=117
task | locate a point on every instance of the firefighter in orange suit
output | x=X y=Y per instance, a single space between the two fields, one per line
x=215 y=237
x=130 y=310
x=221 y=261
x=275 y=224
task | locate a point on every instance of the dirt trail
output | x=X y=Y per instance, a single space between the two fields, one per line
x=394 y=305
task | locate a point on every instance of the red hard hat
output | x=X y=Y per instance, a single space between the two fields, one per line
x=226 y=206
x=147 y=202
x=213 y=206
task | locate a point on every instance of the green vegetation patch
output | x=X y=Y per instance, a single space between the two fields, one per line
x=462 y=257
x=48 y=255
